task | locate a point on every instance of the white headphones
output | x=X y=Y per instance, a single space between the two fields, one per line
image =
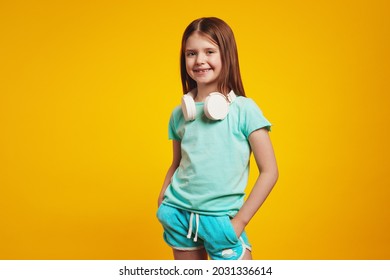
x=216 y=105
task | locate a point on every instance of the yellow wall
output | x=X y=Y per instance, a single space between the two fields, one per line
x=86 y=90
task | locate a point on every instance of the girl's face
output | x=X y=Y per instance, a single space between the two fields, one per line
x=203 y=60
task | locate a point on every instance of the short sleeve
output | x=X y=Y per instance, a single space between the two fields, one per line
x=172 y=130
x=253 y=118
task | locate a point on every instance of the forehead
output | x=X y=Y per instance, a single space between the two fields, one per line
x=200 y=41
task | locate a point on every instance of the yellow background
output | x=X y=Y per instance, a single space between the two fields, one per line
x=86 y=90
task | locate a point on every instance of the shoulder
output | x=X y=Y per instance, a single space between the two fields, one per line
x=176 y=111
x=243 y=100
x=246 y=103
x=177 y=115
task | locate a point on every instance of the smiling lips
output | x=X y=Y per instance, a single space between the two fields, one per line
x=202 y=70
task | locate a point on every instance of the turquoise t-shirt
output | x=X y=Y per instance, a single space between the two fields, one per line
x=214 y=167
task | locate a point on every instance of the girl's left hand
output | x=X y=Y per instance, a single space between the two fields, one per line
x=238 y=226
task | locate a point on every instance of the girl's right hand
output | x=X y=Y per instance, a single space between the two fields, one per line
x=159 y=201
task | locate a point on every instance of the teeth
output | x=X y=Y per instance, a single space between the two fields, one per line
x=202 y=71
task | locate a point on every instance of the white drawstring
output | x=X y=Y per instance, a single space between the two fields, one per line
x=190 y=226
x=197 y=227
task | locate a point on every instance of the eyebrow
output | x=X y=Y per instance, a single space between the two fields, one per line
x=193 y=50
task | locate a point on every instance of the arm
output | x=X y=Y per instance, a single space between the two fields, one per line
x=261 y=146
x=175 y=163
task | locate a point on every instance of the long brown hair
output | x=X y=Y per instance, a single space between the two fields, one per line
x=221 y=34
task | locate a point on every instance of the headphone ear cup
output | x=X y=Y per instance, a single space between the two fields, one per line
x=188 y=107
x=216 y=107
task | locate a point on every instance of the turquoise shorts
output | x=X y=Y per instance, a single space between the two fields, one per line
x=187 y=231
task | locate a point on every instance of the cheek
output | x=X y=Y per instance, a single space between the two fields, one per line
x=218 y=67
x=216 y=62
x=188 y=69
x=190 y=72
x=188 y=65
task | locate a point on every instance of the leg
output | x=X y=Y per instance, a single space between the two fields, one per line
x=176 y=224
x=190 y=255
x=247 y=255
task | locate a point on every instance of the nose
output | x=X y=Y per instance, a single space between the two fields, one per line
x=200 y=59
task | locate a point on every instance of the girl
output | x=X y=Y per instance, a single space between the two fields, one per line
x=201 y=203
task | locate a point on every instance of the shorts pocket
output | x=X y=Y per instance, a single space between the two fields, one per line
x=229 y=231
x=161 y=213
x=218 y=234
x=168 y=216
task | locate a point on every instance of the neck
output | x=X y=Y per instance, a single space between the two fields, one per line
x=203 y=91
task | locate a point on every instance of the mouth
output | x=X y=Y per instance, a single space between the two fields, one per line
x=202 y=70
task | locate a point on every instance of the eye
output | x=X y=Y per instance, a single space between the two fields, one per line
x=210 y=52
x=189 y=54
